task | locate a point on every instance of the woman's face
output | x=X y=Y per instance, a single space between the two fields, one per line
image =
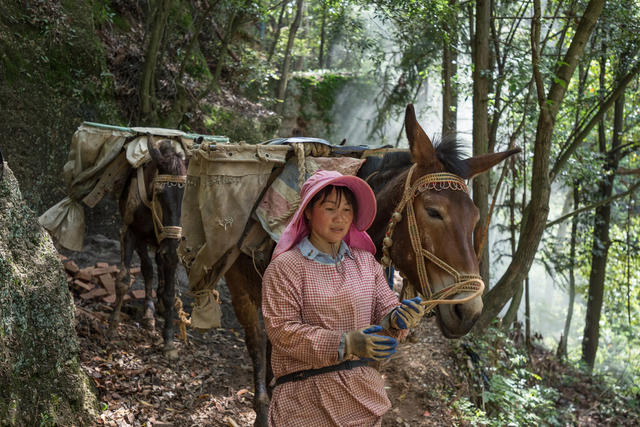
x=329 y=221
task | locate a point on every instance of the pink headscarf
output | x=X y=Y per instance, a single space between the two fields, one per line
x=356 y=237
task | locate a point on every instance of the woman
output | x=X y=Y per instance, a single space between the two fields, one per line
x=324 y=298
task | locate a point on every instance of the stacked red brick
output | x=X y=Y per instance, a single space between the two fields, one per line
x=99 y=281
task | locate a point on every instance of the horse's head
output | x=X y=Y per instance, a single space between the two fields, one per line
x=425 y=224
x=168 y=190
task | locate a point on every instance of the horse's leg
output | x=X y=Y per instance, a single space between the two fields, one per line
x=127 y=244
x=167 y=261
x=146 y=267
x=245 y=286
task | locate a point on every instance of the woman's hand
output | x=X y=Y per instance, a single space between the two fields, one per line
x=408 y=314
x=365 y=343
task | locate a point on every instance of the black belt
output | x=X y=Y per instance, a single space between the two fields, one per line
x=303 y=375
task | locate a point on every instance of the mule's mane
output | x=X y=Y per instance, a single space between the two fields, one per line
x=170 y=161
x=449 y=152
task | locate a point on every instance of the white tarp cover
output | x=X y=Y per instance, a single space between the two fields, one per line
x=92 y=150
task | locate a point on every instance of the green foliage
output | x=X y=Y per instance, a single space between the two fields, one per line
x=514 y=395
x=513 y=401
x=321 y=90
x=518 y=392
x=102 y=13
x=239 y=127
x=46 y=420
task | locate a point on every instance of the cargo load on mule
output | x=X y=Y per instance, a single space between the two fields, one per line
x=239 y=198
x=144 y=169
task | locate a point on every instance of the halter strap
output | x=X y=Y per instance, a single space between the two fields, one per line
x=463 y=282
x=164 y=231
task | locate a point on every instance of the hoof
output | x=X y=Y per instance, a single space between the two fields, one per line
x=111 y=330
x=262 y=416
x=171 y=352
x=114 y=321
x=149 y=320
x=149 y=323
x=261 y=406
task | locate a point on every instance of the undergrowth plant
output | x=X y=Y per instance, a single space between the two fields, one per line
x=510 y=393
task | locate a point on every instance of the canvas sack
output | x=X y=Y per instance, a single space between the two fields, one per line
x=223 y=184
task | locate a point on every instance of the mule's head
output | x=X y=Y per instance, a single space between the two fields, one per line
x=168 y=190
x=445 y=216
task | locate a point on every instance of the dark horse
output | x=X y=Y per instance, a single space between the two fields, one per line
x=154 y=222
x=425 y=188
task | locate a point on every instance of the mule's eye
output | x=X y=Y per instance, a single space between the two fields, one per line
x=434 y=213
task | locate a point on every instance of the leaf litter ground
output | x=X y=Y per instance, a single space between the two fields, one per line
x=211 y=381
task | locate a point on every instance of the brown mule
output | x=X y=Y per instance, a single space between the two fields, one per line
x=445 y=218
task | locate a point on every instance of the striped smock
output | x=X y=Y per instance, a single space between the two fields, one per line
x=307 y=306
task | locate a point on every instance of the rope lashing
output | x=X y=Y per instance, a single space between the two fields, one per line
x=183 y=319
x=463 y=282
x=298 y=148
x=142 y=190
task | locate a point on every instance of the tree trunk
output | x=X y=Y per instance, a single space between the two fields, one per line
x=449 y=71
x=182 y=104
x=193 y=41
x=601 y=238
x=159 y=16
x=225 y=42
x=40 y=374
x=512 y=313
x=333 y=38
x=527 y=314
x=323 y=27
x=562 y=345
x=276 y=37
x=481 y=122
x=537 y=211
x=286 y=63
x=299 y=65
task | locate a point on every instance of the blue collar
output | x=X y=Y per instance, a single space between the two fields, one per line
x=311 y=252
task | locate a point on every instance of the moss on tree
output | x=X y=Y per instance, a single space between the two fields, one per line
x=41 y=381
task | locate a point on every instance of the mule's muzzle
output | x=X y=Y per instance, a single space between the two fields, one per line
x=456 y=320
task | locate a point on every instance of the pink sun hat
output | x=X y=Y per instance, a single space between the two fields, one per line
x=356 y=237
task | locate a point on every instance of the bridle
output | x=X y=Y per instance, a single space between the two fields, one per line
x=463 y=282
x=159 y=182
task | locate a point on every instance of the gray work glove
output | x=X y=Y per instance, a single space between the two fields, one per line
x=366 y=344
x=408 y=314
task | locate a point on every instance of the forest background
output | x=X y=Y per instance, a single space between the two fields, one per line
x=558 y=79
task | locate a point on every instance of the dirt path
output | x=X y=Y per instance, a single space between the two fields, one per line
x=211 y=382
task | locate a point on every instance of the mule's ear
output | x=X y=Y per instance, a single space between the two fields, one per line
x=152 y=145
x=484 y=162
x=420 y=145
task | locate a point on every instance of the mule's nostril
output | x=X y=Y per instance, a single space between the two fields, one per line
x=457 y=309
